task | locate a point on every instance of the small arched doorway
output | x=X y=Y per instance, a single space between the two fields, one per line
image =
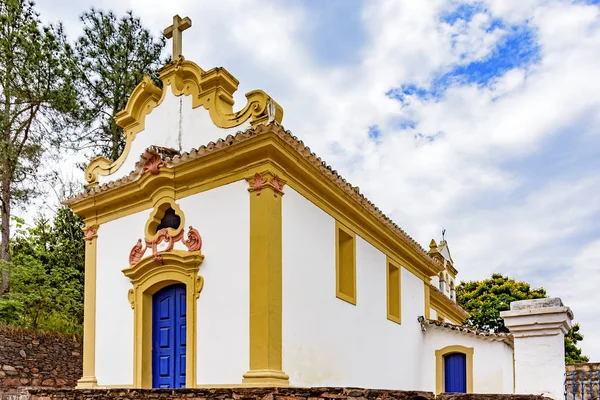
x=454 y=369
x=455 y=373
x=169 y=325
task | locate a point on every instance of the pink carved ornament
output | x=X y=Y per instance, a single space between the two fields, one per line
x=153 y=164
x=193 y=243
x=257 y=183
x=277 y=185
x=90 y=232
x=136 y=253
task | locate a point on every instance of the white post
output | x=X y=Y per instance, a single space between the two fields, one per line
x=539 y=327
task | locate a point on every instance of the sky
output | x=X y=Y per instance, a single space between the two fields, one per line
x=480 y=117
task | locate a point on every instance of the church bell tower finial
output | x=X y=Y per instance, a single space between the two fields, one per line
x=174 y=31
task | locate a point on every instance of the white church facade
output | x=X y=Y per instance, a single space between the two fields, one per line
x=220 y=251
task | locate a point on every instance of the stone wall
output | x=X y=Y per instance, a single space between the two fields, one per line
x=580 y=378
x=257 y=394
x=34 y=358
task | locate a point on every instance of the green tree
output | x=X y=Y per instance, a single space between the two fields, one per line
x=572 y=352
x=485 y=299
x=36 y=95
x=47 y=275
x=111 y=57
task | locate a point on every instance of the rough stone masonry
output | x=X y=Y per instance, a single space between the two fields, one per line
x=314 y=393
x=43 y=359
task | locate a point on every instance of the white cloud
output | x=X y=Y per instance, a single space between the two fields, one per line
x=581 y=288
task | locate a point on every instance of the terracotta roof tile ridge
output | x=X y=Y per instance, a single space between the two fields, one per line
x=175 y=158
x=500 y=336
x=467 y=328
x=351 y=190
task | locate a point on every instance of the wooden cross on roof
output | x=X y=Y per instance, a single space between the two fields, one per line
x=174 y=31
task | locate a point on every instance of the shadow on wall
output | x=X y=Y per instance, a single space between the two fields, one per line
x=39 y=359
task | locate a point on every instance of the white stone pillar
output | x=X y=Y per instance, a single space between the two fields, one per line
x=539 y=327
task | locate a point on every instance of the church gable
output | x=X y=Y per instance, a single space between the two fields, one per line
x=194 y=107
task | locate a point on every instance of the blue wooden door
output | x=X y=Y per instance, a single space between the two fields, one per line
x=168 y=337
x=455 y=373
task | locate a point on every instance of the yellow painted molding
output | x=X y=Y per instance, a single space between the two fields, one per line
x=394 y=291
x=148 y=277
x=443 y=305
x=345 y=264
x=265 y=192
x=142 y=101
x=211 y=89
x=451 y=270
x=88 y=380
x=427 y=294
x=162 y=204
x=439 y=366
x=221 y=163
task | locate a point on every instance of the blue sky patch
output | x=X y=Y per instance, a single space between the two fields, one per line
x=518 y=48
x=403 y=93
x=463 y=12
x=374 y=132
x=466 y=12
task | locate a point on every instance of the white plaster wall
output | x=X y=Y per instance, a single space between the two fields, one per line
x=327 y=341
x=114 y=316
x=492 y=361
x=539 y=364
x=162 y=129
x=222 y=216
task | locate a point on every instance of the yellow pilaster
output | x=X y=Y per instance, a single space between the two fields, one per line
x=88 y=380
x=427 y=293
x=265 y=282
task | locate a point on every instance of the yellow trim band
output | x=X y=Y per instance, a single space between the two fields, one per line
x=427 y=293
x=439 y=366
x=147 y=278
x=88 y=380
x=265 y=282
x=446 y=307
x=264 y=149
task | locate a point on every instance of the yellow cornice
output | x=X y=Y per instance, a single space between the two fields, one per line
x=443 y=305
x=241 y=157
x=182 y=261
x=211 y=89
x=451 y=269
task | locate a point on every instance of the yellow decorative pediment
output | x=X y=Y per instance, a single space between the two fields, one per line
x=176 y=262
x=212 y=89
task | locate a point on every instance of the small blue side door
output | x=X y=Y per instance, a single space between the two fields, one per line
x=168 y=337
x=455 y=373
